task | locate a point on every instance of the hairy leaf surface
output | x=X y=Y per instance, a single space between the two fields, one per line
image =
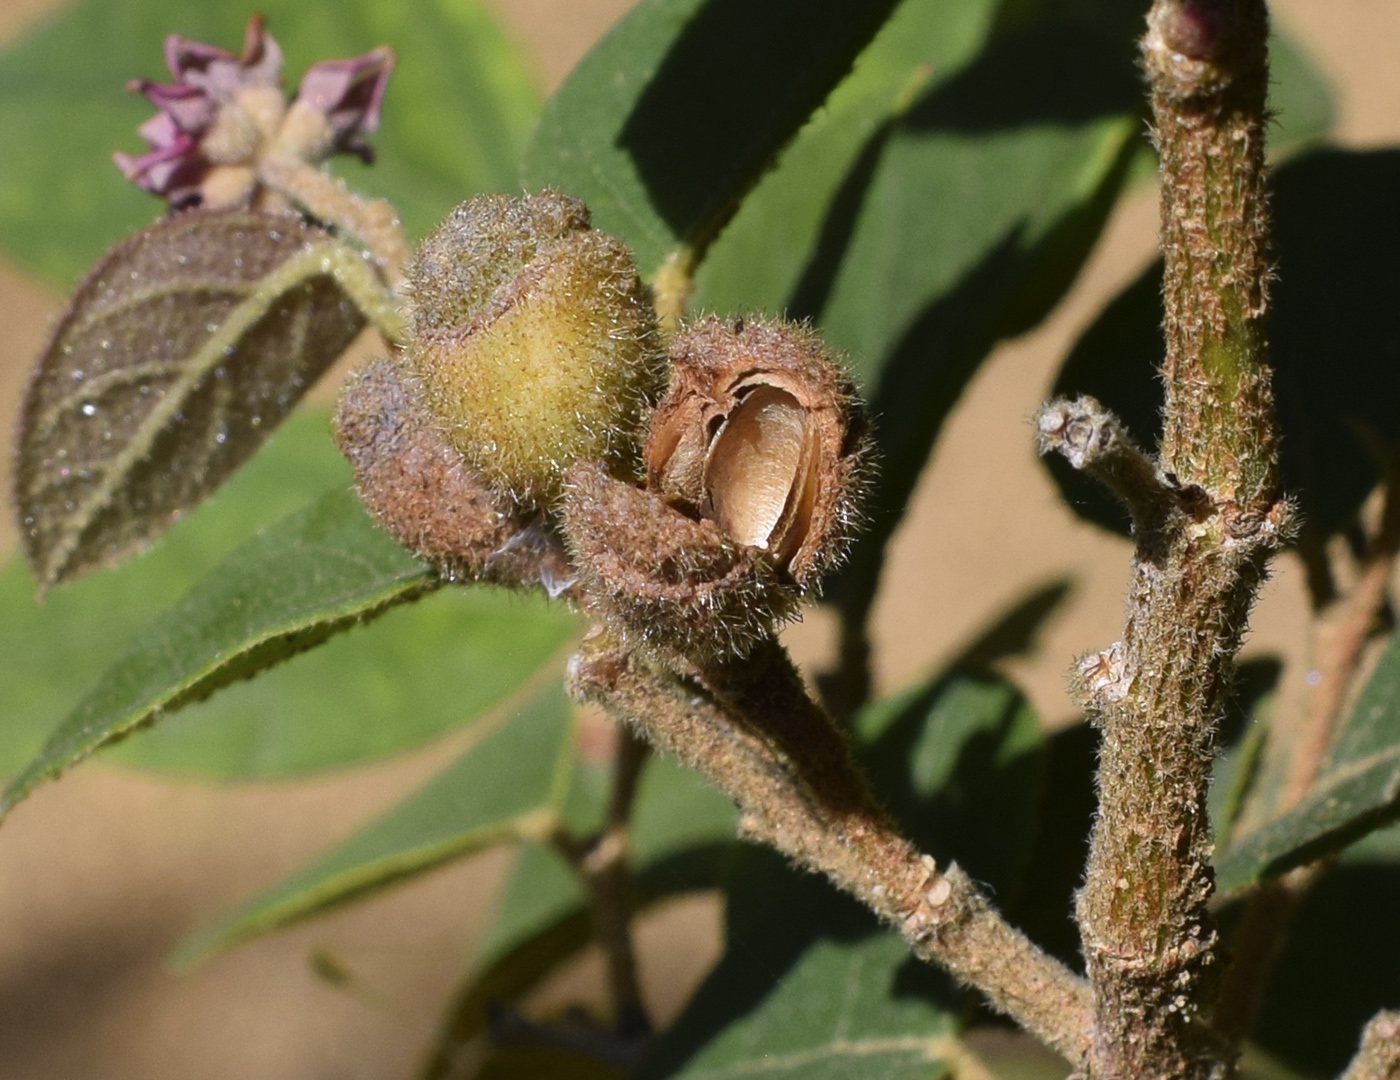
x=182 y=351
x=669 y=121
x=323 y=570
x=418 y=671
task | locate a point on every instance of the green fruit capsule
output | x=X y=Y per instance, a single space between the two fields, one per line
x=535 y=342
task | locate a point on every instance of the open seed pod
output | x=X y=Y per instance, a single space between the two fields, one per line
x=535 y=341
x=666 y=581
x=429 y=498
x=763 y=434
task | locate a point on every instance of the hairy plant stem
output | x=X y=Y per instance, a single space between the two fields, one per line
x=751 y=729
x=1206 y=519
x=373 y=222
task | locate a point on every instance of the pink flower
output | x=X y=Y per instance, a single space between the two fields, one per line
x=225 y=113
x=348 y=93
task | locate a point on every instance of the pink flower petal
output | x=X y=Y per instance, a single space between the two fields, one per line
x=350 y=93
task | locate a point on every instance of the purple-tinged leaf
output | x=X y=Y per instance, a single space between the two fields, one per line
x=180 y=353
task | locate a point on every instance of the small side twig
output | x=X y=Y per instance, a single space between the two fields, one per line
x=603 y=865
x=1208 y=514
x=1094 y=441
x=750 y=728
x=1379 y=1055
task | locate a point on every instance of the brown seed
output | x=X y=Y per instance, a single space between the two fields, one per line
x=762 y=433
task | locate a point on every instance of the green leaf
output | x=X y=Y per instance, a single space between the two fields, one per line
x=682 y=835
x=1300 y=96
x=809 y=987
x=508 y=784
x=945 y=200
x=1357 y=789
x=455 y=119
x=670 y=120
x=320 y=571
x=180 y=353
x=415 y=672
x=49 y=655
x=960 y=763
x=1334 y=338
x=418 y=671
x=759 y=261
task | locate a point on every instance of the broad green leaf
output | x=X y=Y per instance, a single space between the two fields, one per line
x=407 y=677
x=50 y=654
x=180 y=353
x=682 y=834
x=1333 y=334
x=809 y=987
x=1357 y=789
x=960 y=763
x=946 y=199
x=763 y=256
x=413 y=673
x=670 y=120
x=509 y=784
x=321 y=571
x=455 y=120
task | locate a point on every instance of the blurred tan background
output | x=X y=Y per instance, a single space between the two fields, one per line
x=101 y=873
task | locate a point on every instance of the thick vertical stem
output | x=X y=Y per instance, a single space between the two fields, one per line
x=1149 y=941
x=1208 y=66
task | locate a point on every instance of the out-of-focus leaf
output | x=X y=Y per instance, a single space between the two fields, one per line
x=319 y=572
x=960 y=763
x=1340 y=965
x=1299 y=94
x=1241 y=785
x=1334 y=337
x=809 y=986
x=50 y=654
x=958 y=213
x=180 y=353
x=758 y=262
x=510 y=783
x=669 y=121
x=682 y=834
x=1357 y=789
x=455 y=120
